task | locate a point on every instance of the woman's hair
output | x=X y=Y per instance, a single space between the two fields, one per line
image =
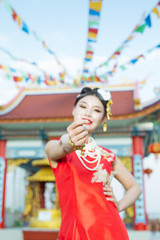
x=103 y=96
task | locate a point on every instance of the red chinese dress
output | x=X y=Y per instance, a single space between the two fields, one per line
x=85 y=212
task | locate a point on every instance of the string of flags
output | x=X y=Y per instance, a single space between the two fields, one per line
x=103 y=78
x=19 y=76
x=95 y=7
x=93 y=28
x=25 y=28
x=133 y=61
x=139 y=28
x=49 y=79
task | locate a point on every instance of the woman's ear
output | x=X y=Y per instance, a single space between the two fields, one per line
x=73 y=111
x=103 y=120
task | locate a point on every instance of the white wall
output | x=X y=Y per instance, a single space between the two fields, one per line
x=152 y=186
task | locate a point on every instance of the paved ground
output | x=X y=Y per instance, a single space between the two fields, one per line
x=16 y=234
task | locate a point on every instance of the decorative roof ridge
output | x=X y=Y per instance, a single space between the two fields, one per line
x=121 y=87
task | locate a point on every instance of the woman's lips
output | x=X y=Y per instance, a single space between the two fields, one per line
x=89 y=121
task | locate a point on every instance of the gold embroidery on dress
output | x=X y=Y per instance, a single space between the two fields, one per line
x=101 y=175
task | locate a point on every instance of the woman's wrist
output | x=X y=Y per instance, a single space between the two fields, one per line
x=66 y=146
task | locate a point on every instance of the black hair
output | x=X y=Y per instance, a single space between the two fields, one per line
x=86 y=91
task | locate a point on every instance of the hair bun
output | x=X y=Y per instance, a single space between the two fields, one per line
x=85 y=90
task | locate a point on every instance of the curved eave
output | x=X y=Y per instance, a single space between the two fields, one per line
x=13 y=102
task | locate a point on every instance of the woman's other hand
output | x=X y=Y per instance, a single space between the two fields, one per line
x=108 y=192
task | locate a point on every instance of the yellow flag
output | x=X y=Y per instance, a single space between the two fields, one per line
x=18 y=20
x=20 y=79
x=88 y=56
x=5 y=68
x=155 y=10
x=96 y=6
x=92 y=35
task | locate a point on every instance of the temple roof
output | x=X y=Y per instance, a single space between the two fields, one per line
x=43 y=175
x=57 y=107
x=40 y=162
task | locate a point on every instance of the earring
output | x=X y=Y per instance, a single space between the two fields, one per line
x=104 y=127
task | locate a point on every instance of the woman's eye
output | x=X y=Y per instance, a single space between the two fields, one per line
x=97 y=110
x=82 y=106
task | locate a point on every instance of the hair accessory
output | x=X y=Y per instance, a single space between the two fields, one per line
x=108 y=108
x=105 y=95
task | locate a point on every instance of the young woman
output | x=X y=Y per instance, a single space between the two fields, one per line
x=83 y=172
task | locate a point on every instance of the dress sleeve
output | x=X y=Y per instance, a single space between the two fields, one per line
x=109 y=155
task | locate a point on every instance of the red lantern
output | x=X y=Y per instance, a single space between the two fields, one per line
x=148 y=171
x=154 y=148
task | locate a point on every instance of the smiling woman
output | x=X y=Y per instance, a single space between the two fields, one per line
x=83 y=173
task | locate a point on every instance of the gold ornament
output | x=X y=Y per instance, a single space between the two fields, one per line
x=104 y=127
x=108 y=108
x=74 y=146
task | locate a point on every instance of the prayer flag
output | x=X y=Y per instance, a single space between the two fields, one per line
x=91 y=40
x=8 y=76
x=92 y=35
x=5 y=68
x=148 y=20
x=94 y=18
x=24 y=27
x=134 y=61
x=122 y=67
x=12 y=70
x=89 y=56
x=94 y=13
x=93 y=23
x=51 y=52
x=96 y=6
x=117 y=53
x=19 y=20
x=89 y=48
x=39 y=80
x=14 y=15
x=89 y=52
x=155 y=10
x=93 y=30
x=106 y=63
x=87 y=59
x=141 y=28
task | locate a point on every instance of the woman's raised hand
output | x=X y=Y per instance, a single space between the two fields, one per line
x=77 y=133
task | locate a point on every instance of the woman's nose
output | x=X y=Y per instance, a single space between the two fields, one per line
x=88 y=112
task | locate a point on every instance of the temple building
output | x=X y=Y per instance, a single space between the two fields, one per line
x=35 y=116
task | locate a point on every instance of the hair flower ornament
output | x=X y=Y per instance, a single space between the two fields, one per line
x=105 y=95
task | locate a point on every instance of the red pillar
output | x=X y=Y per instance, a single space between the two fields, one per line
x=140 y=219
x=3 y=168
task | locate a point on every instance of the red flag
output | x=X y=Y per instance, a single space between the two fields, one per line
x=93 y=30
x=117 y=53
x=14 y=15
x=89 y=52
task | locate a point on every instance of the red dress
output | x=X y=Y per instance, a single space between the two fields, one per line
x=85 y=212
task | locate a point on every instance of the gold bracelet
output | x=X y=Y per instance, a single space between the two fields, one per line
x=74 y=146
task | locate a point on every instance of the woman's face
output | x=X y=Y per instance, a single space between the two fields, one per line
x=91 y=109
